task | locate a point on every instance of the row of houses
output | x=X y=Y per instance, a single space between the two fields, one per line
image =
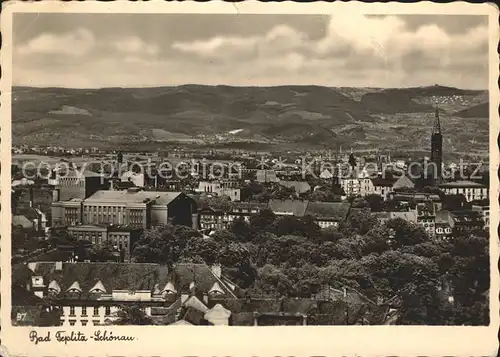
x=91 y=294
x=427 y=211
x=363 y=185
x=326 y=214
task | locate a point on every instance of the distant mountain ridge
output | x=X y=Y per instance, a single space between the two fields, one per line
x=282 y=114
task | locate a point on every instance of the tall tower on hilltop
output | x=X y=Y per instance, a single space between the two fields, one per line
x=437 y=147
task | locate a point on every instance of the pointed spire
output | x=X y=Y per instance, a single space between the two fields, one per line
x=437 y=124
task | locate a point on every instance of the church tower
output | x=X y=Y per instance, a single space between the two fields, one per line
x=437 y=147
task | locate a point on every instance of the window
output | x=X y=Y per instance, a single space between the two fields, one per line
x=84 y=310
x=108 y=311
x=84 y=322
x=72 y=322
x=71 y=311
x=96 y=310
x=95 y=322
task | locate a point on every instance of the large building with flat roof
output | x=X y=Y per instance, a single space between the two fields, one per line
x=132 y=207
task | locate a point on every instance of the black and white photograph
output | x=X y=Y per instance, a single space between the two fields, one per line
x=234 y=169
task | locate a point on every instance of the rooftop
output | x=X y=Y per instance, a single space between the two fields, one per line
x=160 y=197
x=462 y=183
x=335 y=210
x=295 y=207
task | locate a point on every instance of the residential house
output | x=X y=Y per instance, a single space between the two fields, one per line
x=426 y=216
x=409 y=216
x=266 y=176
x=137 y=178
x=216 y=218
x=328 y=214
x=226 y=188
x=325 y=214
x=444 y=224
x=288 y=207
x=484 y=209
x=384 y=186
x=357 y=184
x=90 y=294
x=467 y=221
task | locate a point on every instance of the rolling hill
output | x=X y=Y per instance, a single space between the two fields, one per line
x=303 y=115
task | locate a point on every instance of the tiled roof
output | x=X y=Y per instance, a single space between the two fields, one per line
x=200 y=274
x=299 y=186
x=266 y=176
x=295 y=207
x=443 y=216
x=328 y=210
x=182 y=323
x=78 y=173
x=195 y=303
x=464 y=183
x=114 y=276
x=160 y=197
x=193 y=316
x=383 y=182
x=21 y=221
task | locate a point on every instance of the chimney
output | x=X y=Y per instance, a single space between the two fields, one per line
x=58 y=266
x=55 y=195
x=217 y=270
x=31 y=197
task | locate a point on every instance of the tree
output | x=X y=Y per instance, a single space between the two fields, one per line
x=103 y=253
x=241 y=229
x=282 y=193
x=358 y=222
x=132 y=315
x=237 y=263
x=272 y=282
x=405 y=233
x=205 y=248
x=262 y=220
x=360 y=202
x=375 y=202
x=219 y=202
x=163 y=245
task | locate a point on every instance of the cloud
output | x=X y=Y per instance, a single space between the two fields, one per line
x=353 y=50
x=77 y=43
x=384 y=43
x=135 y=45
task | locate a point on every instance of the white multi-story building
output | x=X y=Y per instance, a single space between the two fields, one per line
x=472 y=191
x=216 y=188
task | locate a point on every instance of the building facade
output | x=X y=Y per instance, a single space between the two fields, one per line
x=471 y=190
x=91 y=294
x=132 y=207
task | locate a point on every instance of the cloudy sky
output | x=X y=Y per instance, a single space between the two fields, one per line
x=138 y=50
